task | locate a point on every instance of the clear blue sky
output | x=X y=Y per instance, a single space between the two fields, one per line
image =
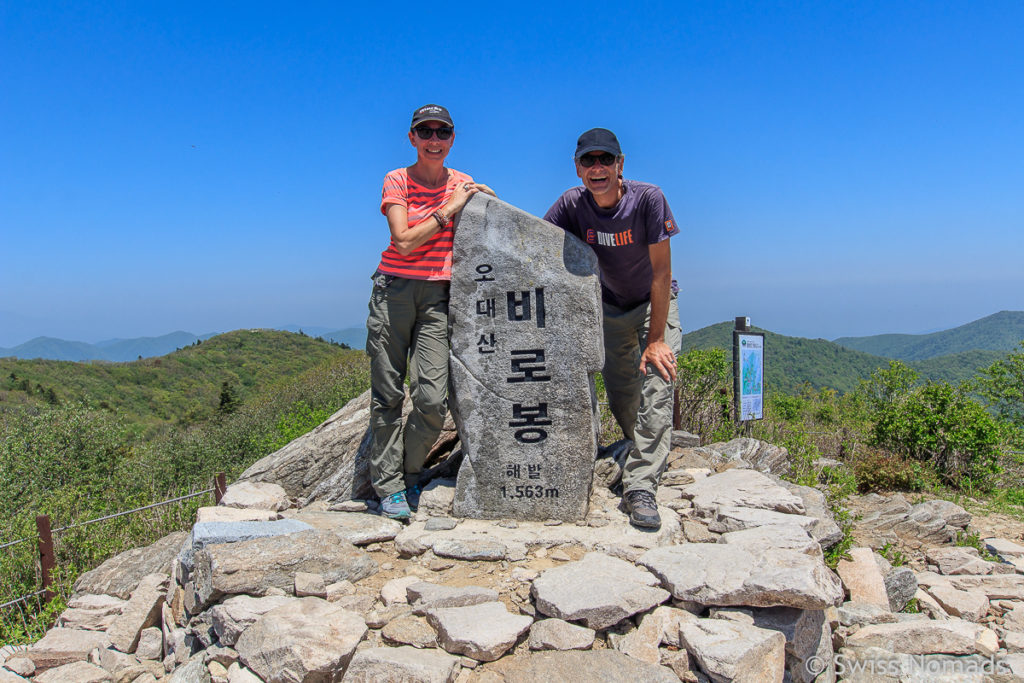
x=836 y=168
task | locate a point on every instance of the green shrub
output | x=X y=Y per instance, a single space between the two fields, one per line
x=941 y=425
x=704 y=393
x=876 y=470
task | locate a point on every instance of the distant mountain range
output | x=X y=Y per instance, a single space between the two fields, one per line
x=1001 y=331
x=121 y=350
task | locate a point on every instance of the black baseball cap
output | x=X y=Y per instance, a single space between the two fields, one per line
x=431 y=112
x=598 y=140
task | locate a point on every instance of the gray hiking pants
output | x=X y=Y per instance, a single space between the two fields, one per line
x=407 y=332
x=642 y=405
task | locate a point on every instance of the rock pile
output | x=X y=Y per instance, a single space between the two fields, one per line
x=734 y=587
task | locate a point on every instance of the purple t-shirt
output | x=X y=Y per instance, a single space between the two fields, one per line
x=620 y=236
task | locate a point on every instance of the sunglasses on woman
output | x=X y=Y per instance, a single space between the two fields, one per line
x=425 y=133
x=605 y=159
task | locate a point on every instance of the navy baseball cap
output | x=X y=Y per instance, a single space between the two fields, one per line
x=431 y=112
x=598 y=140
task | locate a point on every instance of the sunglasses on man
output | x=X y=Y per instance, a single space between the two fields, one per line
x=605 y=159
x=425 y=132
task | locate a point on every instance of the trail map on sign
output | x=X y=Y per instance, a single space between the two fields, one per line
x=751 y=376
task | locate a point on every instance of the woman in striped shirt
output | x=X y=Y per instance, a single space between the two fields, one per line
x=408 y=321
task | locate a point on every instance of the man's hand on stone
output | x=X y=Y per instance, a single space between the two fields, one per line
x=660 y=357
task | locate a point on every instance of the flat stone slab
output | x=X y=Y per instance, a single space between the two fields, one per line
x=556 y=634
x=76 y=672
x=720 y=574
x=63 y=646
x=306 y=639
x=91 y=612
x=957 y=560
x=728 y=518
x=1004 y=547
x=219 y=513
x=382 y=664
x=250 y=567
x=604 y=666
x=994 y=586
x=358 y=528
x=484 y=632
x=424 y=596
x=863 y=578
x=969 y=605
x=598 y=590
x=140 y=612
x=238 y=613
x=786 y=536
x=119 y=575
x=525 y=314
x=262 y=495
x=731 y=651
x=743 y=489
x=212 y=533
x=922 y=637
x=618 y=537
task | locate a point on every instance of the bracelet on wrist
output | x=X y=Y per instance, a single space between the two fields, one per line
x=441 y=218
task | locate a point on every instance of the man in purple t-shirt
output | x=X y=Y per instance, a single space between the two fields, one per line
x=627 y=224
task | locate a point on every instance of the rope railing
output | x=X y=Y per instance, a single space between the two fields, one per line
x=139 y=509
x=47 y=559
x=23 y=598
x=10 y=543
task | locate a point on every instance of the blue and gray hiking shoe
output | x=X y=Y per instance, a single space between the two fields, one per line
x=395 y=506
x=412 y=496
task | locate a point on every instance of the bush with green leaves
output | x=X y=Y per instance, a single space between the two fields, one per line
x=704 y=393
x=937 y=424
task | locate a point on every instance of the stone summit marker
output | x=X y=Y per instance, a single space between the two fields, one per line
x=525 y=312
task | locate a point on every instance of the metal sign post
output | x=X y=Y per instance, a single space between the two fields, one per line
x=747 y=372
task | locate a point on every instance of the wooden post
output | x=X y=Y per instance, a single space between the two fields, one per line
x=47 y=561
x=219 y=487
x=677 y=409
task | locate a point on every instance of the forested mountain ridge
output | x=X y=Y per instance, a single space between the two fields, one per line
x=792 y=361
x=187 y=385
x=1001 y=331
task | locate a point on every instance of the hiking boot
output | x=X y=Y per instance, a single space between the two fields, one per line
x=395 y=506
x=412 y=496
x=642 y=508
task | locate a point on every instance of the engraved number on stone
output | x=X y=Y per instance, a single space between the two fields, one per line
x=527 y=491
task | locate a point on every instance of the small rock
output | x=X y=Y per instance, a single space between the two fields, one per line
x=969 y=605
x=556 y=634
x=306 y=639
x=731 y=651
x=863 y=579
x=424 y=596
x=79 y=672
x=484 y=632
x=349 y=506
x=339 y=589
x=470 y=551
x=310 y=585
x=151 y=644
x=599 y=590
x=440 y=524
x=381 y=664
x=394 y=591
x=410 y=630
x=251 y=494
